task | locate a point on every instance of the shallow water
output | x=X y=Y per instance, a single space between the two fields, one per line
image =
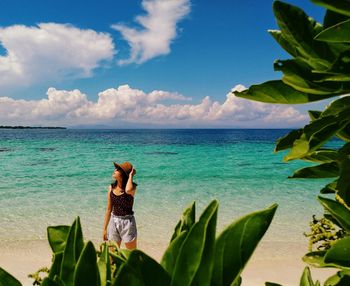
x=48 y=177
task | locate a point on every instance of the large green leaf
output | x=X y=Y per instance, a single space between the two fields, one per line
x=187 y=220
x=325 y=170
x=300 y=149
x=171 y=253
x=340 y=213
x=143 y=270
x=276 y=91
x=194 y=262
x=287 y=141
x=306 y=279
x=317 y=133
x=299 y=30
x=278 y=36
x=236 y=244
x=71 y=252
x=104 y=266
x=6 y=279
x=339 y=6
x=86 y=272
x=56 y=264
x=297 y=74
x=57 y=236
x=339 y=253
x=336 y=33
x=322 y=156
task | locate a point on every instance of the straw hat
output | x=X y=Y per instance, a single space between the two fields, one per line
x=126 y=167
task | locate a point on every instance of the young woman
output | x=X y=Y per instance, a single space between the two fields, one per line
x=119 y=224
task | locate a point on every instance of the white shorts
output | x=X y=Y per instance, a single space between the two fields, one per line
x=122 y=228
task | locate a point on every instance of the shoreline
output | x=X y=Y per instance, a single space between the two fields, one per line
x=278 y=262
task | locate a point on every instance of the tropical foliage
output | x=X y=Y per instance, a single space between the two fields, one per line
x=195 y=256
x=319 y=68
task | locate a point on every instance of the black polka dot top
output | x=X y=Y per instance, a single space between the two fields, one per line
x=122 y=204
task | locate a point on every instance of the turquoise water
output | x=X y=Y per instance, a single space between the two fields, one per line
x=48 y=177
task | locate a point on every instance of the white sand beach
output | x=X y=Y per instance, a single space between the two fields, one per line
x=275 y=262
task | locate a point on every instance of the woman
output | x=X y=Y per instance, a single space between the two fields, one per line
x=120 y=224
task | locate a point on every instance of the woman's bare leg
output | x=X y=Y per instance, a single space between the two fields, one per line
x=131 y=244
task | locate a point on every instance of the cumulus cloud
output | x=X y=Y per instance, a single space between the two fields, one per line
x=51 y=51
x=158 y=29
x=124 y=104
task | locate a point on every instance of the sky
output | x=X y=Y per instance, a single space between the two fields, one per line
x=141 y=63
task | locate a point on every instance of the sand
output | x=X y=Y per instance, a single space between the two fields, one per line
x=277 y=262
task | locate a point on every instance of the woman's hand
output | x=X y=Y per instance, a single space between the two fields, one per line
x=132 y=172
x=105 y=238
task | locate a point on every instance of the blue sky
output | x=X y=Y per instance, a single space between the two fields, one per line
x=150 y=63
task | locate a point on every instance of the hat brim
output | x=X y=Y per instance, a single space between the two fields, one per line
x=116 y=165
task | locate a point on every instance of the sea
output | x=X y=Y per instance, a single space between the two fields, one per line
x=51 y=176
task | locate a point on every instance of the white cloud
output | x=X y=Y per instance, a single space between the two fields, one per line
x=50 y=51
x=124 y=104
x=158 y=29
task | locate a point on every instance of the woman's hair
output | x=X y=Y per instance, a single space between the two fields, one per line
x=124 y=181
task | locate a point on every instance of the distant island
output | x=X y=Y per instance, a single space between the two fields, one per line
x=30 y=127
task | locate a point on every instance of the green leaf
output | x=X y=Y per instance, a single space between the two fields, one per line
x=117 y=259
x=49 y=282
x=194 y=262
x=330 y=188
x=317 y=133
x=236 y=244
x=314 y=114
x=187 y=220
x=57 y=236
x=126 y=275
x=56 y=265
x=71 y=252
x=86 y=272
x=320 y=130
x=306 y=279
x=272 y=284
x=299 y=30
x=340 y=213
x=300 y=149
x=339 y=279
x=316 y=259
x=276 y=91
x=343 y=185
x=325 y=170
x=278 y=36
x=339 y=253
x=141 y=270
x=298 y=75
x=287 y=141
x=6 y=279
x=337 y=106
x=171 y=253
x=104 y=266
x=336 y=33
x=332 y=18
x=339 y=6
x=322 y=156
